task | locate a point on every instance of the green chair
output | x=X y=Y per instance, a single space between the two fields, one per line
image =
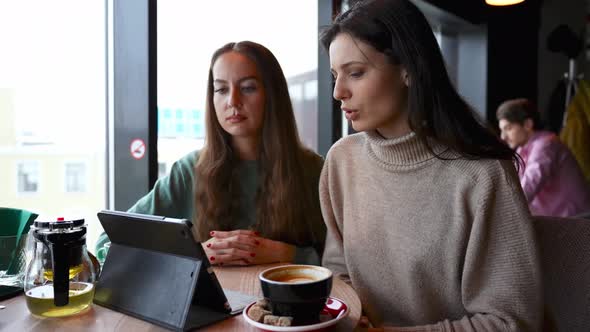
x=14 y=226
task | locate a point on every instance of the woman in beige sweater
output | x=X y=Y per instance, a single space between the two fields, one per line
x=426 y=218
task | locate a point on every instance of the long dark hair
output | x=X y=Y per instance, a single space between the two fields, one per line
x=287 y=208
x=398 y=29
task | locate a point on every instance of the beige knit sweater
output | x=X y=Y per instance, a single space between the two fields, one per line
x=430 y=244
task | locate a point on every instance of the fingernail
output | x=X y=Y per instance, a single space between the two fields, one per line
x=212 y=258
x=256 y=233
x=208 y=245
x=212 y=233
x=252 y=254
x=256 y=242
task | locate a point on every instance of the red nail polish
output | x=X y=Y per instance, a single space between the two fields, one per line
x=212 y=258
x=257 y=233
x=208 y=245
x=212 y=233
x=256 y=242
x=252 y=254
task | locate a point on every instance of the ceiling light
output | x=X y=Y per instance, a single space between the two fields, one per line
x=503 y=2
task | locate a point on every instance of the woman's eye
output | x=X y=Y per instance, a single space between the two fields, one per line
x=249 y=89
x=220 y=90
x=356 y=74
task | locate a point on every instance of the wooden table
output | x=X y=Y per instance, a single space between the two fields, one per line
x=16 y=316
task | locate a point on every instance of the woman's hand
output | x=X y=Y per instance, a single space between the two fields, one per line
x=244 y=247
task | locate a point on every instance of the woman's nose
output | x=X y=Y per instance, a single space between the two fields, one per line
x=340 y=92
x=235 y=100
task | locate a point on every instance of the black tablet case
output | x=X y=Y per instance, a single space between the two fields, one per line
x=155 y=271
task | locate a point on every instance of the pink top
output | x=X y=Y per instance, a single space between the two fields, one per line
x=551 y=179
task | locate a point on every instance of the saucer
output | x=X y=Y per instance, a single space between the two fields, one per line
x=335 y=307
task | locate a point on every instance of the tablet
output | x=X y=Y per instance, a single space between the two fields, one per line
x=156 y=271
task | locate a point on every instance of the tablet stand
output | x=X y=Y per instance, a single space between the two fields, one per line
x=175 y=292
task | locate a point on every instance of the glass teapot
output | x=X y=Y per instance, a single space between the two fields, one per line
x=59 y=279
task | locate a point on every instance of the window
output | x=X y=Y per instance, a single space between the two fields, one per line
x=186 y=42
x=295 y=92
x=53 y=108
x=27 y=177
x=75 y=177
x=162 y=169
x=310 y=90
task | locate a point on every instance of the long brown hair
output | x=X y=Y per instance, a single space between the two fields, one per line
x=287 y=201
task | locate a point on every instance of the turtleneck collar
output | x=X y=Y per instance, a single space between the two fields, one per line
x=405 y=152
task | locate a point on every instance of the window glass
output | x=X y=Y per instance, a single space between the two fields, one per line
x=310 y=90
x=27 y=177
x=162 y=169
x=75 y=177
x=53 y=108
x=188 y=34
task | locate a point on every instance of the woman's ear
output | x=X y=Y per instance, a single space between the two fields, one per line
x=405 y=77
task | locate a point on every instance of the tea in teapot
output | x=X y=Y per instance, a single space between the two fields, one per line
x=59 y=280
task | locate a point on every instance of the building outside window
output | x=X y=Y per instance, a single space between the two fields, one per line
x=187 y=124
x=183 y=62
x=75 y=177
x=53 y=109
x=27 y=177
x=162 y=169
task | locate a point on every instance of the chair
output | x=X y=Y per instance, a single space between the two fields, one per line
x=565 y=260
x=585 y=215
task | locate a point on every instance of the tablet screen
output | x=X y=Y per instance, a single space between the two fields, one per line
x=149 y=232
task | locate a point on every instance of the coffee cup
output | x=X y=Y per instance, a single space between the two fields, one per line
x=298 y=291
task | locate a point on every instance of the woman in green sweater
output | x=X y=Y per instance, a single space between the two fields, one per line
x=426 y=218
x=252 y=190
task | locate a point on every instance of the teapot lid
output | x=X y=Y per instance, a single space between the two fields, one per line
x=60 y=223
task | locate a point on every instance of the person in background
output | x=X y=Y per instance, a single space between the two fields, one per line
x=426 y=218
x=252 y=190
x=551 y=179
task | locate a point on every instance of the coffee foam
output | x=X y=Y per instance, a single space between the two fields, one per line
x=294 y=274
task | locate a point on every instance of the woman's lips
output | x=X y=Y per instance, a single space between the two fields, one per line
x=350 y=115
x=235 y=118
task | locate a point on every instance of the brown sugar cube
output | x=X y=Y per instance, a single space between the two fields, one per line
x=285 y=321
x=262 y=303
x=258 y=313
x=271 y=320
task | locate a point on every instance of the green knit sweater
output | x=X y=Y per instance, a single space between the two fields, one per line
x=173 y=196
